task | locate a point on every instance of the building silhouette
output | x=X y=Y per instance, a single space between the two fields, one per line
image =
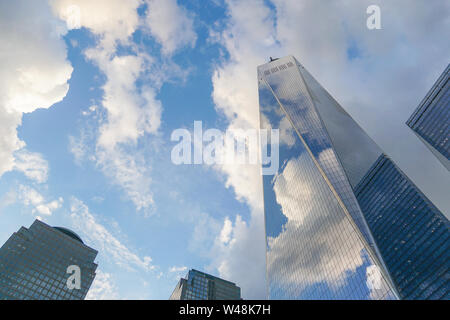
x=202 y=286
x=342 y=220
x=37 y=264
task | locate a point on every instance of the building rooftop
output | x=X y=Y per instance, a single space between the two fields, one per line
x=70 y=233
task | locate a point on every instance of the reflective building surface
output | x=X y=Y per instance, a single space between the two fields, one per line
x=202 y=286
x=431 y=120
x=34 y=263
x=410 y=232
x=322 y=243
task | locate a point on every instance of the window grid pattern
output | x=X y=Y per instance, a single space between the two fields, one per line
x=416 y=233
x=432 y=118
x=34 y=261
x=197 y=288
x=313 y=251
x=296 y=100
x=202 y=286
x=411 y=233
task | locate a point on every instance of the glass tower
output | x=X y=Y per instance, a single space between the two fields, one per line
x=202 y=286
x=34 y=264
x=431 y=120
x=342 y=221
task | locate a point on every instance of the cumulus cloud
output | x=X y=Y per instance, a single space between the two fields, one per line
x=178 y=269
x=247 y=39
x=31 y=197
x=143 y=112
x=132 y=111
x=175 y=272
x=101 y=238
x=205 y=232
x=9 y=142
x=226 y=231
x=103 y=287
x=33 y=73
x=32 y=164
x=241 y=257
x=171 y=24
x=113 y=20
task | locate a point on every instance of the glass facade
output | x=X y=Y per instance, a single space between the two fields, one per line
x=202 y=286
x=411 y=233
x=34 y=264
x=319 y=242
x=431 y=120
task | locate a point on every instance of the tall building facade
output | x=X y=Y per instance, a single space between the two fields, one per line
x=431 y=120
x=37 y=264
x=342 y=221
x=202 y=286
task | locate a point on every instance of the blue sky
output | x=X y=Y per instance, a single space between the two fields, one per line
x=91 y=92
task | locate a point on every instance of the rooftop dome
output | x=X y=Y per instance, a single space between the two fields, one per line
x=70 y=233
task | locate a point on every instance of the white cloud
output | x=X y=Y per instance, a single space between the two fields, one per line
x=226 y=231
x=33 y=70
x=130 y=171
x=171 y=25
x=104 y=241
x=103 y=287
x=112 y=19
x=142 y=113
x=48 y=208
x=204 y=233
x=9 y=142
x=178 y=269
x=132 y=111
x=241 y=259
x=247 y=39
x=32 y=164
x=31 y=197
x=78 y=148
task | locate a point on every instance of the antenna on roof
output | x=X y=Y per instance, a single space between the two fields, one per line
x=272 y=59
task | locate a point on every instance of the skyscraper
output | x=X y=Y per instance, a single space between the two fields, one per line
x=342 y=221
x=431 y=120
x=202 y=286
x=38 y=263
